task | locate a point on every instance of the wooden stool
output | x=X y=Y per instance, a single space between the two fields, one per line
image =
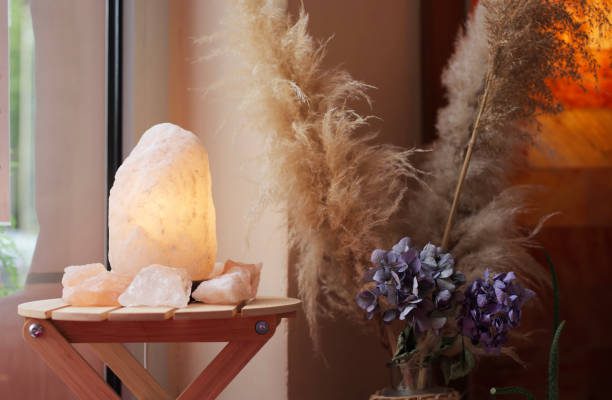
x=52 y=325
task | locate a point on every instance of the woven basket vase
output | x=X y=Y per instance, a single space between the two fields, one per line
x=452 y=395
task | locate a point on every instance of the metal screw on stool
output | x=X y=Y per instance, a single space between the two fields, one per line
x=36 y=330
x=262 y=327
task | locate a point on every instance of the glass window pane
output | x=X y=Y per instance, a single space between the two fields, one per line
x=4 y=133
x=18 y=240
x=58 y=154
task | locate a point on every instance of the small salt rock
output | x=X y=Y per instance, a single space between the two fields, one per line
x=157 y=286
x=239 y=282
x=102 y=289
x=253 y=269
x=76 y=274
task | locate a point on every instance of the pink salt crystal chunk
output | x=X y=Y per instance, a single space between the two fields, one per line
x=238 y=283
x=102 y=289
x=254 y=271
x=230 y=288
x=158 y=285
x=76 y=274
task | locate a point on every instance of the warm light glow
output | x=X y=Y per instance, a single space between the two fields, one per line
x=581 y=136
x=161 y=209
x=575 y=138
x=593 y=93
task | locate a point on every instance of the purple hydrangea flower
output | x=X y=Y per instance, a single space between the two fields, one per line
x=412 y=285
x=368 y=301
x=492 y=307
x=398 y=282
x=441 y=267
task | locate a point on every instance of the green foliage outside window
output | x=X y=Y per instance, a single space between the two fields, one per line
x=17 y=241
x=9 y=273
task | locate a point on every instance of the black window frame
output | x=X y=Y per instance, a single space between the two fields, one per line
x=114 y=119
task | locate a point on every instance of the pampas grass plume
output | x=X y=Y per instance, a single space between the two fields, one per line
x=340 y=191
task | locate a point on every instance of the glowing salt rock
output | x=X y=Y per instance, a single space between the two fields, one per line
x=239 y=282
x=161 y=208
x=156 y=286
x=102 y=289
x=76 y=274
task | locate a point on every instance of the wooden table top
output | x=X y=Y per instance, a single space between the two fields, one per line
x=57 y=309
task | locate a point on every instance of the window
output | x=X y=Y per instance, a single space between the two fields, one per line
x=18 y=238
x=58 y=107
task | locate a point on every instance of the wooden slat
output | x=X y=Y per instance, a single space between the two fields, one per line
x=67 y=363
x=167 y=331
x=270 y=306
x=141 y=314
x=205 y=311
x=82 y=313
x=59 y=310
x=128 y=369
x=41 y=308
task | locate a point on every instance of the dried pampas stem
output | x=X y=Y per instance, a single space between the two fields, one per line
x=466 y=164
x=345 y=195
x=492 y=108
x=341 y=191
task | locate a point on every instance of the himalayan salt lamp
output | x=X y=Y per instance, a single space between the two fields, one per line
x=156 y=286
x=238 y=283
x=161 y=208
x=92 y=285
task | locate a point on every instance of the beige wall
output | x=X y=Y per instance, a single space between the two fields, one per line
x=377 y=42
x=145 y=67
x=232 y=155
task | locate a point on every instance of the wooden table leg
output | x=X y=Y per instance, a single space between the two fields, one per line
x=130 y=371
x=220 y=372
x=66 y=362
x=52 y=340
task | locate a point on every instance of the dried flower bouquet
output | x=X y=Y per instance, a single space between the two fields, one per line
x=445 y=318
x=346 y=196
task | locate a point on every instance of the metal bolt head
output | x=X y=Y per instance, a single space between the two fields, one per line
x=262 y=327
x=36 y=330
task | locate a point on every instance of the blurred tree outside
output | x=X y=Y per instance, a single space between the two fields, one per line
x=18 y=241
